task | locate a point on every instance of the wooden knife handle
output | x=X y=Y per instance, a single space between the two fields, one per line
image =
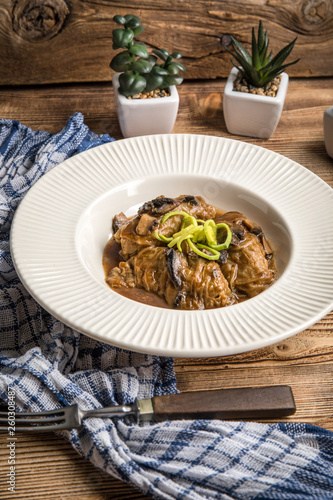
x=242 y=403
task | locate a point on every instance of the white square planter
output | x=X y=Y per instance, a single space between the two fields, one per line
x=146 y=116
x=251 y=114
x=328 y=130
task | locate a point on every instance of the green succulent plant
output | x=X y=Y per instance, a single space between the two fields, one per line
x=141 y=71
x=261 y=67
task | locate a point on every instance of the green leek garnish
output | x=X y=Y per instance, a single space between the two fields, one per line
x=205 y=238
x=227 y=241
x=161 y=237
x=209 y=254
x=210 y=232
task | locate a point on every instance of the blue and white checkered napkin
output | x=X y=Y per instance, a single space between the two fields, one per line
x=49 y=365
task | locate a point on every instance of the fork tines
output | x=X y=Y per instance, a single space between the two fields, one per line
x=41 y=421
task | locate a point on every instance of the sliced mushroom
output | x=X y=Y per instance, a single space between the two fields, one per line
x=189 y=199
x=223 y=256
x=118 y=221
x=172 y=265
x=178 y=299
x=239 y=224
x=266 y=246
x=146 y=224
x=238 y=234
x=158 y=206
x=252 y=227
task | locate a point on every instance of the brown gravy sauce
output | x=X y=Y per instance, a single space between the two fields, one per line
x=111 y=259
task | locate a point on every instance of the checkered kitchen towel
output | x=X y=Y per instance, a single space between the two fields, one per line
x=48 y=365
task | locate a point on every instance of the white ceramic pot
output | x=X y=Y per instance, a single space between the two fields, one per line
x=328 y=130
x=146 y=116
x=251 y=114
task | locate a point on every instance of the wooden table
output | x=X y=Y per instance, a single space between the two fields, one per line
x=48 y=467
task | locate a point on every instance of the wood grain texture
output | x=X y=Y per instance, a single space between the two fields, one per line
x=48 y=467
x=274 y=401
x=61 y=41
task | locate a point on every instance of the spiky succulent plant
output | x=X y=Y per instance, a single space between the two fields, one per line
x=140 y=71
x=261 y=67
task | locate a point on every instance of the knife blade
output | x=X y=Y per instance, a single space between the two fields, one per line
x=240 y=403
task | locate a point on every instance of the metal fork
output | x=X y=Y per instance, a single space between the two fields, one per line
x=274 y=401
x=69 y=417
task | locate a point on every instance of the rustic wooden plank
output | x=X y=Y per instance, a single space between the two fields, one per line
x=299 y=135
x=48 y=107
x=311 y=346
x=312 y=386
x=71 y=41
x=200 y=111
x=303 y=361
x=48 y=467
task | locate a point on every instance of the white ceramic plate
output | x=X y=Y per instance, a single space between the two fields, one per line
x=61 y=226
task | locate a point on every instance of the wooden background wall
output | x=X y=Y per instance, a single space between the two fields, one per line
x=53 y=41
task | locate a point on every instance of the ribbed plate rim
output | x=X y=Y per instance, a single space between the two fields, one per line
x=201 y=332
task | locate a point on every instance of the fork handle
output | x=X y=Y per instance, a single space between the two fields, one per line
x=240 y=403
